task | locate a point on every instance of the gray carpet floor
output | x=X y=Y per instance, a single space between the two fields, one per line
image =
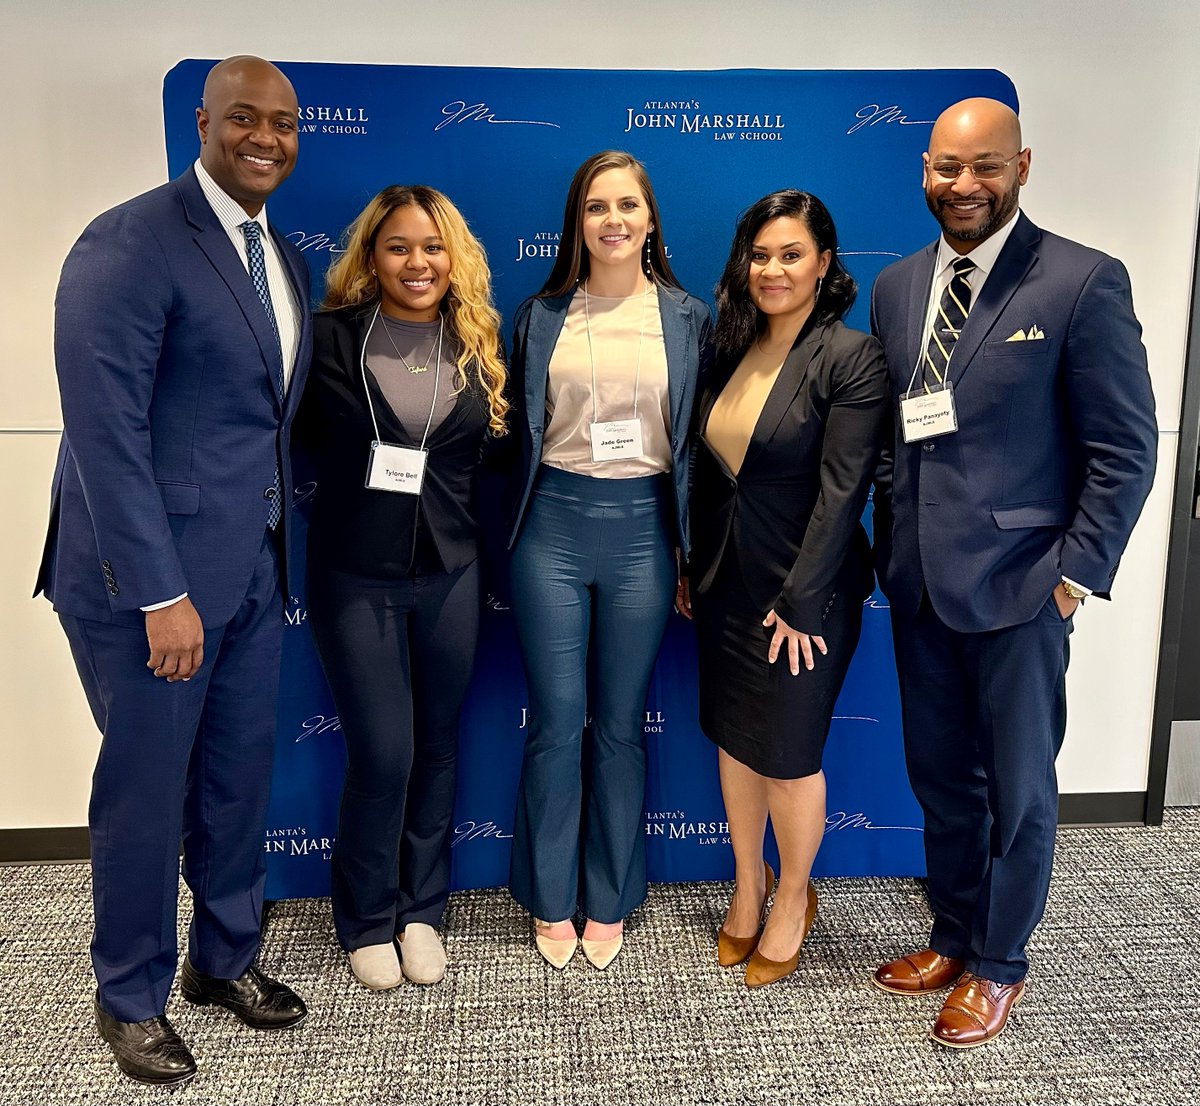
x=1112 y=1014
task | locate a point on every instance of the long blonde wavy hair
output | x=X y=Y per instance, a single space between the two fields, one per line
x=473 y=320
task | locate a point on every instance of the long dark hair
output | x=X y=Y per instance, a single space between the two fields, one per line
x=738 y=320
x=572 y=264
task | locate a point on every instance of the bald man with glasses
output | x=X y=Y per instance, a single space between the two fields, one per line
x=1024 y=449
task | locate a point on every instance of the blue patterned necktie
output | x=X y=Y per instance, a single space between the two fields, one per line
x=258 y=275
x=951 y=317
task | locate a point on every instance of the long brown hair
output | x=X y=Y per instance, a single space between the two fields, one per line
x=573 y=263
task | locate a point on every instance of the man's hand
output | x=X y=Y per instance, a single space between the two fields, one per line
x=176 y=638
x=1065 y=604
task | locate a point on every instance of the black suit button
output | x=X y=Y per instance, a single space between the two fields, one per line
x=113 y=589
x=105 y=565
x=929 y=447
x=269 y=493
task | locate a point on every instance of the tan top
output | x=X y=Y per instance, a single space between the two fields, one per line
x=617 y=324
x=735 y=413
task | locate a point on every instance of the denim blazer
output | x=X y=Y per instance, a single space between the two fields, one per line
x=687 y=333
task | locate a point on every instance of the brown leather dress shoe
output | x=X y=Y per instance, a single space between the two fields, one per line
x=731 y=950
x=761 y=971
x=919 y=973
x=975 y=1012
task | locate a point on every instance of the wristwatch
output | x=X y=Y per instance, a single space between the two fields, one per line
x=1073 y=592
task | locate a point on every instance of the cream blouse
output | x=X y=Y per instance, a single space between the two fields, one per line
x=618 y=326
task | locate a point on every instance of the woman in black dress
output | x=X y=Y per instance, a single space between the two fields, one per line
x=789 y=433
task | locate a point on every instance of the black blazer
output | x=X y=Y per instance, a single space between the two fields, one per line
x=791 y=515
x=373 y=533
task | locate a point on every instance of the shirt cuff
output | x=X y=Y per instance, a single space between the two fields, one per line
x=1068 y=580
x=171 y=603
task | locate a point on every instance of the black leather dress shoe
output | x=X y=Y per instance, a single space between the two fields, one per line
x=149 y=1051
x=261 y=1002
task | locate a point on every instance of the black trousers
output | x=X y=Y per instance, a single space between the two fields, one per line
x=984 y=717
x=398 y=656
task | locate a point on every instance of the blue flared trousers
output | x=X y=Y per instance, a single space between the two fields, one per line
x=593 y=576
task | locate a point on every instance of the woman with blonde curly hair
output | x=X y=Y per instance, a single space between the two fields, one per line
x=406 y=389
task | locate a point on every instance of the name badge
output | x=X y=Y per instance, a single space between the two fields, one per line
x=396 y=468
x=928 y=414
x=616 y=440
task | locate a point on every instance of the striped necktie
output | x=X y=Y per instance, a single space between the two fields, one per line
x=952 y=312
x=258 y=276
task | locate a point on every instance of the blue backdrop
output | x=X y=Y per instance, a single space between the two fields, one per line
x=503 y=143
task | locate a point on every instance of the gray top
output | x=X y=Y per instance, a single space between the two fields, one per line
x=409 y=393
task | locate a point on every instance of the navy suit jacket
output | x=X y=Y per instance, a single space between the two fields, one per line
x=173 y=423
x=1056 y=443
x=687 y=330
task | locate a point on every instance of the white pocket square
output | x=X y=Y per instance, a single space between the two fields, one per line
x=1036 y=333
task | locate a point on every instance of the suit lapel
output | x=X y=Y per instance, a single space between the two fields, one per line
x=546 y=319
x=676 y=327
x=918 y=305
x=296 y=270
x=808 y=344
x=1016 y=259
x=215 y=243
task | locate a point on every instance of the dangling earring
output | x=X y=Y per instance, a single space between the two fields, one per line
x=646 y=266
x=816 y=297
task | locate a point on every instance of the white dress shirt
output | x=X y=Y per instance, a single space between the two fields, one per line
x=231 y=216
x=984 y=256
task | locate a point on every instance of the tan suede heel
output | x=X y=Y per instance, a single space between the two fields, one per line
x=731 y=950
x=761 y=971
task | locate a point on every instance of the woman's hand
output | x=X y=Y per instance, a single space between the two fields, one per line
x=683 y=597
x=797 y=643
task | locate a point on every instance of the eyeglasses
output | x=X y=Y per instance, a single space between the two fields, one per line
x=988 y=168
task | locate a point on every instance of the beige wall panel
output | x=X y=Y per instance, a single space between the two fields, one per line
x=1108 y=107
x=48 y=740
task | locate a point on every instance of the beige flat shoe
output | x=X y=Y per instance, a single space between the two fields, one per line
x=376 y=966
x=556 y=950
x=422 y=957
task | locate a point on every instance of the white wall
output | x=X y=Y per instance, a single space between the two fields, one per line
x=1108 y=104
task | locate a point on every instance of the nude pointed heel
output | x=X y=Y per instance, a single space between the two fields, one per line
x=602 y=953
x=557 y=951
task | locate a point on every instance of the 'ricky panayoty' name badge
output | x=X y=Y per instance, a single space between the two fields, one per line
x=396 y=468
x=928 y=414
x=616 y=440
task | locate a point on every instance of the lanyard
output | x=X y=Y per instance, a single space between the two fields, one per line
x=637 y=376
x=437 y=378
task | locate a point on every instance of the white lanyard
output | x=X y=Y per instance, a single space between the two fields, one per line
x=930 y=414
x=616 y=439
x=437 y=377
x=637 y=376
x=395 y=468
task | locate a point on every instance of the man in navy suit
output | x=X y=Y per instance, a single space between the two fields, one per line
x=1024 y=450
x=181 y=344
